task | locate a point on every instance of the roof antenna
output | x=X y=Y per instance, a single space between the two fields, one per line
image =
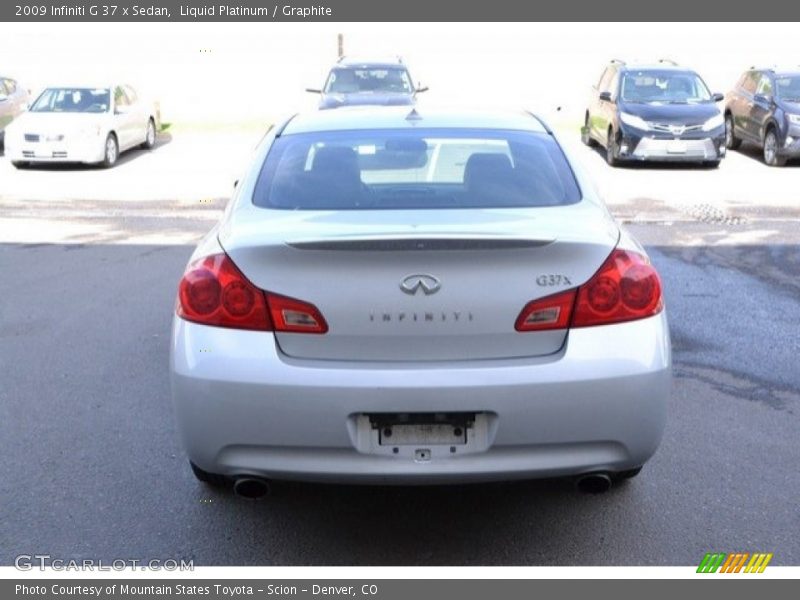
x=413 y=115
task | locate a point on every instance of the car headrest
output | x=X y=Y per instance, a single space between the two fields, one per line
x=488 y=170
x=336 y=162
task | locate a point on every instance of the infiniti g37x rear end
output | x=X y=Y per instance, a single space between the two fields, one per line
x=418 y=298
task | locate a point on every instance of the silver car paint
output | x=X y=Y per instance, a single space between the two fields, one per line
x=244 y=406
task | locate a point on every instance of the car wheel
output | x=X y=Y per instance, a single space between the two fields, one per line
x=625 y=475
x=213 y=479
x=711 y=164
x=771 y=156
x=612 y=149
x=586 y=136
x=19 y=164
x=111 y=152
x=150 y=136
x=731 y=141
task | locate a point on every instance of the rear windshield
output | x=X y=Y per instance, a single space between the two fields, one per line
x=420 y=168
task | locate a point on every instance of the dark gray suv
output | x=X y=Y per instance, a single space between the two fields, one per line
x=764 y=109
x=354 y=82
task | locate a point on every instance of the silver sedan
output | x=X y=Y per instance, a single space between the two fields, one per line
x=406 y=296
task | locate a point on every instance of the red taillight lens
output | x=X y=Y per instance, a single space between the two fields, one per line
x=214 y=292
x=552 y=312
x=625 y=288
x=296 y=316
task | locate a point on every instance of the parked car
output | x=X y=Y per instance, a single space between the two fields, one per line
x=660 y=112
x=436 y=299
x=13 y=102
x=764 y=109
x=82 y=124
x=358 y=82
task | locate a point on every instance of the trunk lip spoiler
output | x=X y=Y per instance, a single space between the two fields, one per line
x=421 y=242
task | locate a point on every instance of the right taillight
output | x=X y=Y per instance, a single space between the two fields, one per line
x=625 y=288
x=214 y=292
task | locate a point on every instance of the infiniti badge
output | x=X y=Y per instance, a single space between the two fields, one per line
x=429 y=284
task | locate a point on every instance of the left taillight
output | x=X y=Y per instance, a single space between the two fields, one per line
x=214 y=292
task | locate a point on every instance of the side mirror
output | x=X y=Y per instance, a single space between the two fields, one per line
x=718 y=97
x=235 y=184
x=313 y=91
x=421 y=88
x=605 y=96
x=762 y=98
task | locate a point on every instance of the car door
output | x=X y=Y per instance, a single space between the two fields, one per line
x=6 y=105
x=139 y=115
x=761 y=111
x=124 y=118
x=595 y=108
x=606 y=104
x=735 y=102
x=745 y=124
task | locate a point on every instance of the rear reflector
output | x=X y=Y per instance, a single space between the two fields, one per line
x=552 y=312
x=625 y=288
x=296 y=316
x=214 y=292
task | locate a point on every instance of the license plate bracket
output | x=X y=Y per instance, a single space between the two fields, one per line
x=676 y=147
x=422 y=429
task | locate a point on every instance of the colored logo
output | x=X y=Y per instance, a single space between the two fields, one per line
x=737 y=562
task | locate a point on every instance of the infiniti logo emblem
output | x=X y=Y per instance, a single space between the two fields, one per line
x=429 y=284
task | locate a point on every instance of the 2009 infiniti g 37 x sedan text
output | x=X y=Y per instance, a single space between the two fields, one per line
x=397 y=296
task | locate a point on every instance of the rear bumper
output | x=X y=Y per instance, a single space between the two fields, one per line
x=597 y=405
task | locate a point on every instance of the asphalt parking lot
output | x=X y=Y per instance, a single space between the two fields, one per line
x=92 y=467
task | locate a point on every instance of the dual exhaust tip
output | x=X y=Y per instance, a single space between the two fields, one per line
x=594 y=483
x=251 y=487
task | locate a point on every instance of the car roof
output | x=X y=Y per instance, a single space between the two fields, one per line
x=408 y=117
x=359 y=62
x=655 y=67
x=777 y=71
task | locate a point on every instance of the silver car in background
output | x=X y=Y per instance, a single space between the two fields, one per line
x=404 y=296
x=13 y=102
x=82 y=124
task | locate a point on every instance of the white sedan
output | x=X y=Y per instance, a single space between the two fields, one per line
x=90 y=125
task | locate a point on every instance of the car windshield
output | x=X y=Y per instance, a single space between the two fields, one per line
x=667 y=87
x=73 y=100
x=788 y=88
x=418 y=169
x=355 y=81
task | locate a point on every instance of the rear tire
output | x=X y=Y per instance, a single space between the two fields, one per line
x=612 y=149
x=150 y=135
x=212 y=479
x=110 y=152
x=731 y=141
x=771 y=156
x=586 y=136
